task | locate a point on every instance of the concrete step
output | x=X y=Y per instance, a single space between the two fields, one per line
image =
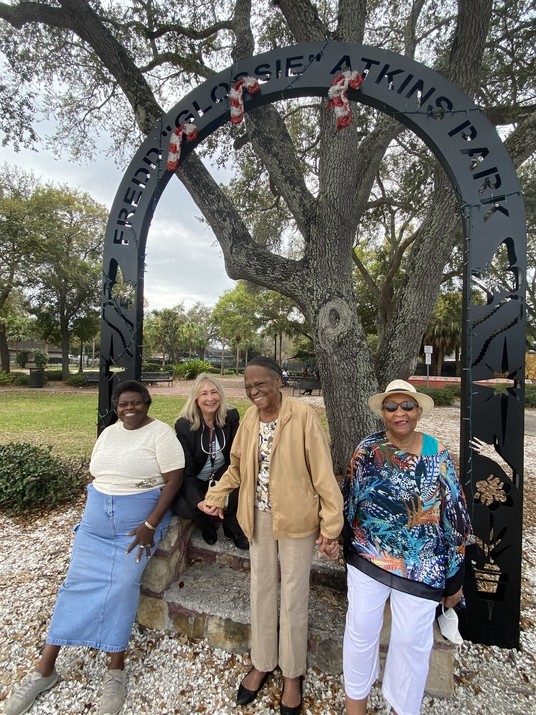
x=202 y=591
x=323 y=570
x=210 y=599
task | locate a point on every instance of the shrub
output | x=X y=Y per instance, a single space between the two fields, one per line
x=530 y=396
x=77 y=380
x=190 y=369
x=442 y=397
x=151 y=367
x=23 y=357
x=213 y=370
x=232 y=371
x=455 y=390
x=54 y=375
x=32 y=478
x=40 y=357
x=4 y=378
x=19 y=378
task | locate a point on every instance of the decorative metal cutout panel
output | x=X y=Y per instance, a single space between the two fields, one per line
x=472 y=154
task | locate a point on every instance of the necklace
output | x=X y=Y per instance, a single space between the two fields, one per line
x=213 y=448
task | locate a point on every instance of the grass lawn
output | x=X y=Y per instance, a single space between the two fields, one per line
x=68 y=421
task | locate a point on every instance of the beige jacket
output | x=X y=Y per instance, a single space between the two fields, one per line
x=304 y=494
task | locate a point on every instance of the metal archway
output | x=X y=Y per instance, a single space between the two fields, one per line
x=482 y=174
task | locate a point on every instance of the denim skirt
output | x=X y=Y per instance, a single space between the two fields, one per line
x=98 y=601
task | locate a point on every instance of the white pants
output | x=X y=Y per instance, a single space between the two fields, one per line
x=410 y=643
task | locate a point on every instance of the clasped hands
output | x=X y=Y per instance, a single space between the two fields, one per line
x=210 y=510
x=329 y=547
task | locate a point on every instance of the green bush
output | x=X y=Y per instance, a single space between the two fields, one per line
x=530 y=396
x=32 y=478
x=213 y=370
x=40 y=357
x=54 y=375
x=77 y=380
x=23 y=358
x=151 y=367
x=19 y=378
x=455 y=390
x=4 y=378
x=442 y=397
x=190 y=369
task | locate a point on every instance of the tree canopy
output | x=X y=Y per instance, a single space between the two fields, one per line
x=51 y=242
x=306 y=199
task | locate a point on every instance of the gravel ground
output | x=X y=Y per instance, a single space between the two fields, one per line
x=168 y=674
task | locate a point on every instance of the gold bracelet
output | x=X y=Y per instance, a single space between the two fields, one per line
x=149 y=526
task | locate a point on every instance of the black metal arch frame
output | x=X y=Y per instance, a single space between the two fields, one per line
x=490 y=201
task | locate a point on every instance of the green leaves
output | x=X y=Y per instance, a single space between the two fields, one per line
x=32 y=478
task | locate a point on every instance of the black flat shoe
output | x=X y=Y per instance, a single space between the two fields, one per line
x=245 y=696
x=286 y=709
x=210 y=535
x=239 y=540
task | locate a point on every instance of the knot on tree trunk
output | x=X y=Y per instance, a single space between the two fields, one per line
x=334 y=321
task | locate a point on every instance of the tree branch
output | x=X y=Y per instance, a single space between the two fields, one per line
x=520 y=144
x=303 y=20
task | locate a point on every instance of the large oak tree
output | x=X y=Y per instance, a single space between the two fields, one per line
x=94 y=57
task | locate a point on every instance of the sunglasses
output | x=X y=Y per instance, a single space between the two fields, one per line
x=407 y=406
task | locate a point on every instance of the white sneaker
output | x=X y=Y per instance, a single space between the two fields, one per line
x=113 y=692
x=23 y=697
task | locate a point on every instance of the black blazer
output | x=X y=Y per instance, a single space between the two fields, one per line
x=194 y=456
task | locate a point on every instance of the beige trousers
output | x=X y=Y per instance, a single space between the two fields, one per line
x=290 y=650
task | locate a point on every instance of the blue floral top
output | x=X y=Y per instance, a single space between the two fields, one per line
x=406 y=517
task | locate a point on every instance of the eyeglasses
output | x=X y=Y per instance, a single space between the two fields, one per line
x=408 y=406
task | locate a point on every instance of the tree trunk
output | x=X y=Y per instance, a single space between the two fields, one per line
x=65 y=372
x=346 y=370
x=4 y=350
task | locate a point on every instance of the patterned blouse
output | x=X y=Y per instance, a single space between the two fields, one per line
x=407 y=523
x=266 y=439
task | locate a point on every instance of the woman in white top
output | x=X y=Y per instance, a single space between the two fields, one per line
x=136 y=469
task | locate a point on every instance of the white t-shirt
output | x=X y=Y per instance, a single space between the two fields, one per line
x=131 y=461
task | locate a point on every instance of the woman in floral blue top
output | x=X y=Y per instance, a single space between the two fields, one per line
x=405 y=534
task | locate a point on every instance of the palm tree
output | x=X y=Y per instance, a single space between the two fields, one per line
x=444 y=335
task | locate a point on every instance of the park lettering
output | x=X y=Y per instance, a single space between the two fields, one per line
x=210 y=103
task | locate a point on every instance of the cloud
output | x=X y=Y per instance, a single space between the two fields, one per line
x=184 y=262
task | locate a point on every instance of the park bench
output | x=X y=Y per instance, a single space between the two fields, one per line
x=152 y=377
x=304 y=384
x=92 y=377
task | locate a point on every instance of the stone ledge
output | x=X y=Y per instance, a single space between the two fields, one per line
x=211 y=600
x=170 y=558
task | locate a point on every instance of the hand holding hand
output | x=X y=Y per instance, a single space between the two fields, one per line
x=329 y=547
x=210 y=510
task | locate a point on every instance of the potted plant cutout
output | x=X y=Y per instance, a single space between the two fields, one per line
x=493 y=493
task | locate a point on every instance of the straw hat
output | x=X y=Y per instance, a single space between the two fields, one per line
x=402 y=388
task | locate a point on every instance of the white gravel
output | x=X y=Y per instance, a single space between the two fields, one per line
x=168 y=675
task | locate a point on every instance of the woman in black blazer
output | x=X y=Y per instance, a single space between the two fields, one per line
x=206 y=428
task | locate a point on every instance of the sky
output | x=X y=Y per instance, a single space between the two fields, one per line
x=184 y=261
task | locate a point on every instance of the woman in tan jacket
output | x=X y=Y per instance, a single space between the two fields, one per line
x=289 y=500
